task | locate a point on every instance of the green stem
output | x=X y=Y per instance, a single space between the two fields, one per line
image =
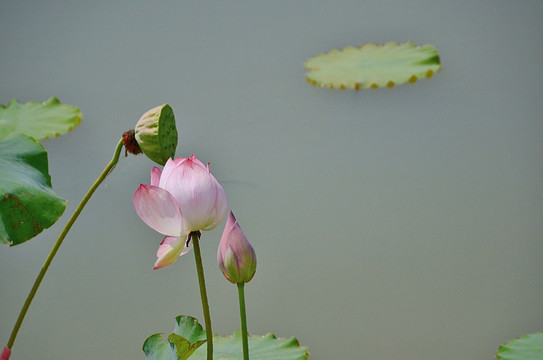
x=195 y=235
x=243 y=316
x=61 y=237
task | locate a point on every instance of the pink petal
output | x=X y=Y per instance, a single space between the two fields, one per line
x=194 y=189
x=223 y=244
x=155 y=176
x=221 y=206
x=170 y=249
x=168 y=168
x=198 y=162
x=159 y=210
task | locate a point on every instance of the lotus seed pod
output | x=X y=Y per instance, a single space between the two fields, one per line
x=156 y=134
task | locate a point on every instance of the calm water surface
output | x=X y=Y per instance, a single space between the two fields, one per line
x=388 y=224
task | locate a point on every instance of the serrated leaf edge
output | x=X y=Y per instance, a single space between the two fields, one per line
x=413 y=79
x=51 y=100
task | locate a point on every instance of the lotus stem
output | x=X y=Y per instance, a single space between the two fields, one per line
x=61 y=237
x=195 y=236
x=243 y=317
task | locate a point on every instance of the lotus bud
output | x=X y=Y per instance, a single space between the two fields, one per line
x=236 y=256
x=155 y=134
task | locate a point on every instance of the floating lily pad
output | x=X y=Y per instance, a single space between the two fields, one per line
x=27 y=202
x=267 y=347
x=39 y=120
x=373 y=66
x=527 y=347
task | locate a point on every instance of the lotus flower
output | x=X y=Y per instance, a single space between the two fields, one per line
x=236 y=256
x=183 y=197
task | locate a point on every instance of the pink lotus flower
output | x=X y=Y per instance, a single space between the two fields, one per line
x=182 y=198
x=236 y=256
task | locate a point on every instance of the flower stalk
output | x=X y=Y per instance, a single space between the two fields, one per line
x=57 y=244
x=243 y=317
x=195 y=235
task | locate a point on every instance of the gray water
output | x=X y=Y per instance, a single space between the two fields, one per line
x=388 y=224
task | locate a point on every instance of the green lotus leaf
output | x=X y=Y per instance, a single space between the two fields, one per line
x=157 y=347
x=39 y=120
x=527 y=347
x=372 y=66
x=27 y=202
x=187 y=336
x=266 y=347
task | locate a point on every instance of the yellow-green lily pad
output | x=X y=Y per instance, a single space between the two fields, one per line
x=373 y=66
x=38 y=120
x=261 y=347
x=527 y=347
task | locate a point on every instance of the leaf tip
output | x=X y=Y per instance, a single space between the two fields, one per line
x=52 y=100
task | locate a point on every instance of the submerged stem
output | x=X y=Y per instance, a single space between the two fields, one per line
x=195 y=235
x=243 y=317
x=61 y=237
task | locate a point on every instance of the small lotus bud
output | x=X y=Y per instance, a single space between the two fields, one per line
x=236 y=256
x=156 y=134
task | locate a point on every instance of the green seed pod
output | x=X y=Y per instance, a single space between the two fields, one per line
x=156 y=134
